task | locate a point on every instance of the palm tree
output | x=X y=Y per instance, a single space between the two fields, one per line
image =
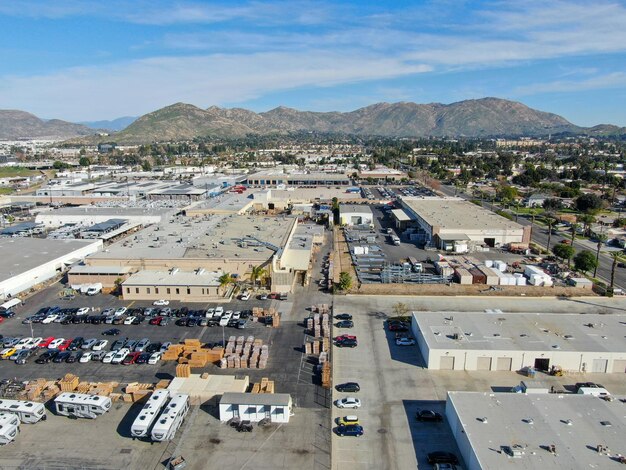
x=615 y=255
x=575 y=228
x=550 y=222
x=587 y=220
x=225 y=279
x=257 y=273
x=602 y=238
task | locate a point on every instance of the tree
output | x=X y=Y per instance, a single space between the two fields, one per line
x=585 y=261
x=602 y=238
x=59 y=165
x=615 y=255
x=588 y=202
x=225 y=279
x=587 y=220
x=257 y=273
x=553 y=204
x=507 y=193
x=550 y=220
x=400 y=309
x=345 y=280
x=145 y=165
x=84 y=161
x=564 y=251
x=574 y=229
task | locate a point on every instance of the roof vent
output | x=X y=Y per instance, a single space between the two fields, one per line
x=483 y=420
x=568 y=336
x=556 y=346
x=606 y=423
x=568 y=422
x=529 y=420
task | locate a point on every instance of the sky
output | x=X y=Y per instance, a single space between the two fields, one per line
x=83 y=60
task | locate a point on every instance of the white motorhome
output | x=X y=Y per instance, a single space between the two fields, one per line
x=171 y=418
x=9 y=427
x=9 y=304
x=149 y=413
x=26 y=411
x=81 y=405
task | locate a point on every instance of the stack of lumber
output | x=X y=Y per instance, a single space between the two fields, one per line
x=326 y=375
x=243 y=353
x=183 y=370
x=69 y=383
x=173 y=352
x=265 y=386
x=138 y=391
x=163 y=383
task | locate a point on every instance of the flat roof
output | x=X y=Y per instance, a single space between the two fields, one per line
x=18 y=228
x=179 y=189
x=280 y=399
x=23 y=254
x=357 y=208
x=401 y=215
x=310 y=194
x=534 y=422
x=106 y=225
x=109 y=270
x=179 y=278
x=523 y=331
x=279 y=175
x=457 y=214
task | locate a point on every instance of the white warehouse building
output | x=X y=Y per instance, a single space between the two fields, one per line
x=277 y=407
x=27 y=262
x=513 y=341
x=543 y=432
x=355 y=214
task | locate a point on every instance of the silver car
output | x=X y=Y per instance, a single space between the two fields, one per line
x=142 y=344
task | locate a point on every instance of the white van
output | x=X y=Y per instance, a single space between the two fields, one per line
x=594 y=391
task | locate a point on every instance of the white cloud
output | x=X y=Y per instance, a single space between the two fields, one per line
x=611 y=80
x=85 y=93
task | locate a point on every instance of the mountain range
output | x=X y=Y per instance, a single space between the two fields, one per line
x=113 y=125
x=486 y=117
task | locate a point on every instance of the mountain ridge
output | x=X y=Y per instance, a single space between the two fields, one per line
x=16 y=124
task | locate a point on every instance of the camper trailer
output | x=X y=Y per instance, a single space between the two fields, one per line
x=80 y=405
x=9 y=427
x=26 y=411
x=171 y=418
x=149 y=413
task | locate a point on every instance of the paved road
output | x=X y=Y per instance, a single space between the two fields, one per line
x=540 y=236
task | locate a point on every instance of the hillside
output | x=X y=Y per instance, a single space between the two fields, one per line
x=22 y=125
x=112 y=125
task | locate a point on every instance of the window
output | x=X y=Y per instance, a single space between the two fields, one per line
x=177 y=290
x=168 y=290
x=147 y=290
x=188 y=291
x=202 y=291
x=156 y=290
x=136 y=290
x=128 y=290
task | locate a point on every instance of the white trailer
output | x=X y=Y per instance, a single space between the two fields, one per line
x=171 y=418
x=9 y=427
x=149 y=412
x=9 y=304
x=81 y=405
x=26 y=411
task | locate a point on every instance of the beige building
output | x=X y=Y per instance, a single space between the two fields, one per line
x=186 y=286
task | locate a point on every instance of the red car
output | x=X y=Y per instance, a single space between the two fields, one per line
x=44 y=343
x=156 y=321
x=65 y=344
x=131 y=358
x=397 y=326
x=344 y=337
x=273 y=295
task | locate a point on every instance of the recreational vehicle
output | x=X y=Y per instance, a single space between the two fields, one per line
x=171 y=418
x=149 y=413
x=26 y=411
x=9 y=427
x=81 y=405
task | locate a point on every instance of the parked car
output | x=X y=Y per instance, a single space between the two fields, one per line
x=153 y=347
x=346 y=420
x=7 y=353
x=120 y=311
x=120 y=355
x=348 y=402
x=89 y=343
x=73 y=357
x=46 y=357
x=245 y=295
x=61 y=356
x=129 y=320
x=346 y=343
x=160 y=303
x=56 y=343
x=143 y=358
x=405 y=341
x=130 y=358
x=141 y=345
x=165 y=346
x=76 y=343
x=119 y=344
x=50 y=318
x=86 y=357
x=98 y=355
x=24 y=342
x=348 y=387
x=344 y=324
x=350 y=430
x=83 y=311
x=44 y=343
x=397 y=326
x=111 y=332
x=156 y=320
x=23 y=356
x=155 y=358
x=428 y=415
x=343 y=316
x=130 y=344
x=108 y=357
x=100 y=345
x=442 y=457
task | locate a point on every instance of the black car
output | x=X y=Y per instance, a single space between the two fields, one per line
x=7 y=314
x=350 y=430
x=346 y=343
x=428 y=415
x=76 y=319
x=76 y=343
x=143 y=358
x=95 y=319
x=61 y=356
x=344 y=324
x=348 y=387
x=182 y=321
x=343 y=316
x=67 y=320
x=46 y=357
x=192 y=322
x=442 y=457
x=74 y=357
x=153 y=347
x=138 y=320
x=111 y=332
x=246 y=314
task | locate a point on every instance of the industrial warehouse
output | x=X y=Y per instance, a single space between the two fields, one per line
x=500 y=341
x=456 y=225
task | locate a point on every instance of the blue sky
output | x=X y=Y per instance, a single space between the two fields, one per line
x=88 y=60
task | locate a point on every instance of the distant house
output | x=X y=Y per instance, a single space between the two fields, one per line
x=536 y=200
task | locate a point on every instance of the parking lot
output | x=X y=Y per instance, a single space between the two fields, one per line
x=394 y=383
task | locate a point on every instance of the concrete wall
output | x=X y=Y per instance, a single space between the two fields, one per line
x=107 y=280
x=462 y=441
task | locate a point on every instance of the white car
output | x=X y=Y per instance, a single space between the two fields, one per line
x=56 y=343
x=236 y=316
x=219 y=311
x=129 y=320
x=34 y=343
x=210 y=312
x=120 y=311
x=245 y=296
x=405 y=342
x=108 y=357
x=161 y=303
x=23 y=343
x=86 y=357
x=83 y=311
x=108 y=311
x=120 y=355
x=224 y=320
x=348 y=402
x=49 y=318
x=155 y=358
x=165 y=346
x=100 y=345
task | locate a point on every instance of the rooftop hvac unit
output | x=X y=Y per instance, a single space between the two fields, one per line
x=173 y=271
